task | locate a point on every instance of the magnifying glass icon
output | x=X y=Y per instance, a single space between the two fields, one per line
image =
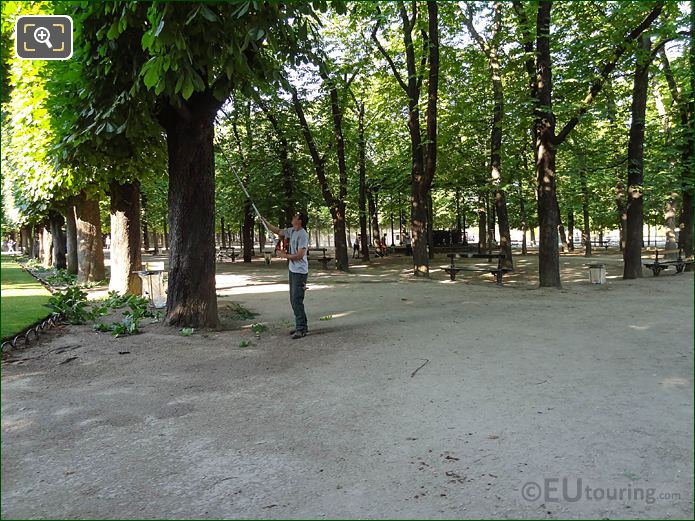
x=43 y=35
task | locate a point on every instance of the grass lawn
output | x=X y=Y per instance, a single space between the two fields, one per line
x=22 y=299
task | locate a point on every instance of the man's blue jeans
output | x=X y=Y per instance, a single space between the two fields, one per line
x=297 y=289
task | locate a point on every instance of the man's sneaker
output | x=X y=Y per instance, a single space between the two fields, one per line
x=293 y=331
x=298 y=334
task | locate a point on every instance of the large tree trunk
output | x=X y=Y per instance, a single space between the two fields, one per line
x=35 y=251
x=686 y=217
x=46 y=246
x=545 y=139
x=482 y=225
x=59 y=243
x=145 y=227
x=191 y=297
x=71 y=237
x=373 y=215
x=421 y=175
x=548 y=217
x=622 y=210
x=491 y=50
x=561 y=229
x=632 y=252
x=90 y=247
x=522 y=212
x=338 y=207
x=126 y=256
x=490 y=210
x=430 y=225
x=431 y=117
x=586 y=226
x=362 y=165
x=670 y=222
x=335 y=205
x=686 y=107
x=247 y=231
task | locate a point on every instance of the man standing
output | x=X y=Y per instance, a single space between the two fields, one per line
x=298 y=268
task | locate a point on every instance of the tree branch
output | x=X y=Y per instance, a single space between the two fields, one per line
x=607 y=69
x=385 y=54
x=423 y=60
x=468 y=22
x=530 y=61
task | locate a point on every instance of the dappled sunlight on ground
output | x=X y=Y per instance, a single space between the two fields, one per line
x=675 y=381
x=574 y=270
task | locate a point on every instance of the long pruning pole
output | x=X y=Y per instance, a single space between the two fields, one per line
x=246 y=192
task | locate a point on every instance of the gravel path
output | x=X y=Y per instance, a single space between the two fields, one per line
x=417 y=399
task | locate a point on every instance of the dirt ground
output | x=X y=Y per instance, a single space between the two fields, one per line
x=411 y=399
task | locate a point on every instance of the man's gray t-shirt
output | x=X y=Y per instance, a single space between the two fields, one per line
x=298 y=239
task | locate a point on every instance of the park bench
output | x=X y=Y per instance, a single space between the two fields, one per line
x=601 y=244
x=658 y=266
x=324 y=260
x=226 y=253
x=498 y=271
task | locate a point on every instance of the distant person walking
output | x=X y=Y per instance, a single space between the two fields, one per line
x=408 y=245
x=356 y=248
x=298 y=268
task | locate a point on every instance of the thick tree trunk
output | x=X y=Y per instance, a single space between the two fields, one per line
x=545 y=140
x=458 y=215
x=46 y=246
x=586 y=226
x=362 y=165
x=90 y=247
x=247 y=231
x=261 y=238
x=685 y=236
x=36 y=241
x=670 y=222
x=482 y=225
x=373 y=215
x=544 y=126
x=421 y=175
x=522 y=211
x=490 y=210
x=191 y=297
x=59 y=243
x=145 y=227
x=338 y=207
x=430 y=225
x=71 y=237
x=570 y=229
x=491 y=50
x=632 y=253
x=339 y=237
x=621 y=208
x=126 y=255
x=561 y=229
x=686 y=108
